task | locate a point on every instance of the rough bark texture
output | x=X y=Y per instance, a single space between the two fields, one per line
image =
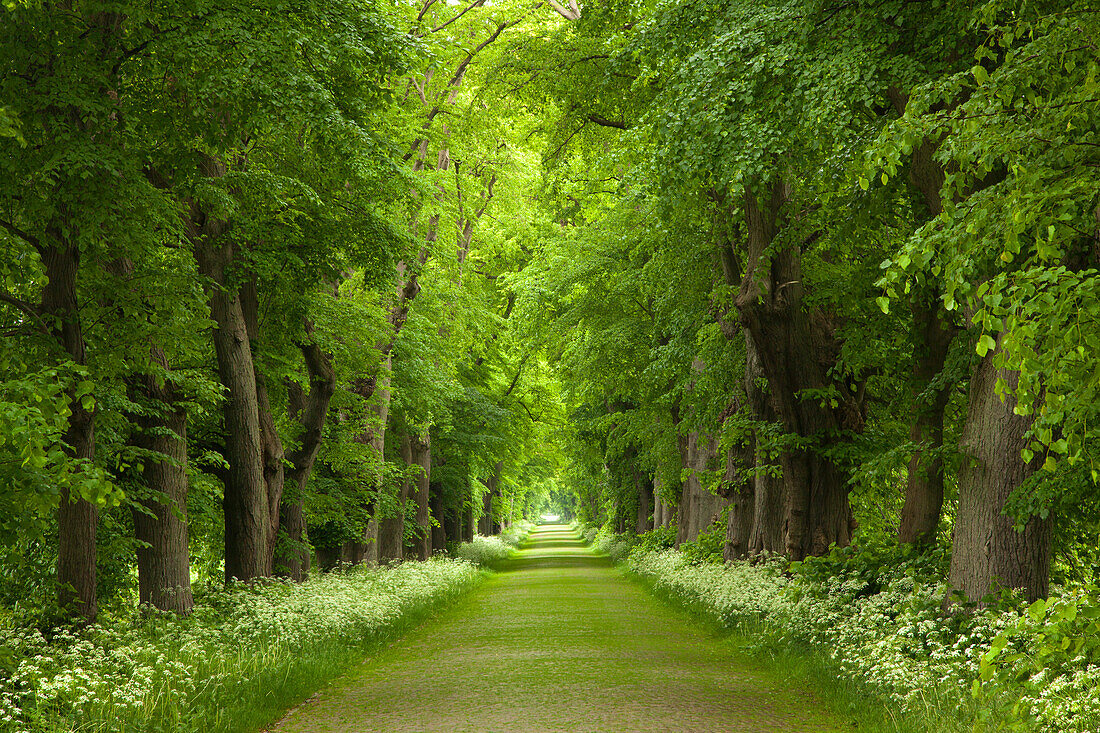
x=663 y=514
x=391 y=529
x=77 y=519
x=422 y=456
x=698 y=507
x=769 y=491
x=292 y=548
x=644 y=485
x=271 y=445
x=247 y=511
x=738 y=490
x=920 y=515
x=163 y=560
x=933 y=333
x=795 y=349
x=444 y=529
x=987 y=551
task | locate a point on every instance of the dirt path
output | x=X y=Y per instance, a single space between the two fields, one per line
x=560 y=641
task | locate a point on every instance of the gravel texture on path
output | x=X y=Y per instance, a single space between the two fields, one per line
x=559 y=641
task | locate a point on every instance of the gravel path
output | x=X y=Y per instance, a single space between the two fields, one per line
x=559 y=641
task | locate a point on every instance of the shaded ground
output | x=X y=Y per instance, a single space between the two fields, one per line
x=560 y=641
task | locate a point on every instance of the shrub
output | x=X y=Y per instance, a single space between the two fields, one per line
x=484 y=551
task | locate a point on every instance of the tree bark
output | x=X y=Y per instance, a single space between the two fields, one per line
x=769 y=491
x=698 y=506
x=391 y=529
x=987 y=551
x=445 y=527
x=160 y=525
x=422 y=456
x=247 y=511
x=920 y=515
x=795 y=349
x=644 y=486
x=77 y=519
x=292 y=548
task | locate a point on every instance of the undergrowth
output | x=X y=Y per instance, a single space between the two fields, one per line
x=244 y=656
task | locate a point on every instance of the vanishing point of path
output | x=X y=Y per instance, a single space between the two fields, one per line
x=559 y=641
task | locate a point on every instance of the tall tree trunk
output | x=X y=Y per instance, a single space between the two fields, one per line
x=391 y=529
x=422 y=456
x=987 y=551
x=271 y=445
x=644 y=487
x=920 y=515
x=444 y=528
x=246 y=507
x=698 y=506
x=769 y=491
x=77 y=519
x=469 y=523
x=795 y=349
x=292 y=548
x=160 y=524
x=739 y=490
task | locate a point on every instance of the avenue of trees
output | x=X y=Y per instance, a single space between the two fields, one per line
x=347 y=281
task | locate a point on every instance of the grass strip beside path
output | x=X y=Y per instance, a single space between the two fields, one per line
x=561 y=641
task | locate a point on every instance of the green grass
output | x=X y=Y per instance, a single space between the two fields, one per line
x=560 y=640
x=797 y=665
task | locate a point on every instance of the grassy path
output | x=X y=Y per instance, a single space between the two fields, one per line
x=559 y=641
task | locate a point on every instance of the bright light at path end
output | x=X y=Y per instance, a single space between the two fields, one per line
x=551 y=517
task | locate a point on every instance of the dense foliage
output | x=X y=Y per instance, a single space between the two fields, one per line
x=284 y=289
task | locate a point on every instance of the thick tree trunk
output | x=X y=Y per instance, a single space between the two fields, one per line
x=292 y=547
x=644 y=486
x=422 y=456
x=246 y=507
x=391 y=529
x=739 y=491
x=698 y=506
x=769 y=491
x=663 y=514
x=77 y=519
x=444 y=528
x=274 y=467
x=163 y=558
x=987 y=551
x=920 y=516
x=795 y=349
x=469 y=523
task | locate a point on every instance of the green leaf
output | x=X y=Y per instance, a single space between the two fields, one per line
x=984 y=345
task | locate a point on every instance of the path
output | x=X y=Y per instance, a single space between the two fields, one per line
x=561 y=641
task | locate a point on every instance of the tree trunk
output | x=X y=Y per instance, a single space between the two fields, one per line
x=391 y=529
x=271 y=445
x=77 y=519
x=920 y=516
x=444 y=528
x=292 y=547
x=644 y=486
x=422 y=456
x=246 y=507
x=739 y=491
x=987 y=551
x=698 y=506
x=795 y=350
x=469 y=524
x=163 y=558
x=769 y=491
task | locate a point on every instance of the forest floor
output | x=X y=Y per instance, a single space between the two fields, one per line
x=560 y=641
